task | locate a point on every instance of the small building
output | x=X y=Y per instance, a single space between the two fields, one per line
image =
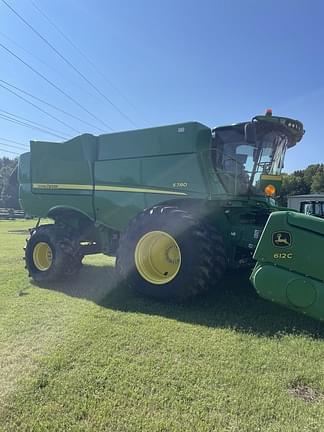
x=302 y=203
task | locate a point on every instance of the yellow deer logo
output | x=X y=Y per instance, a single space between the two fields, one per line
x=281 y=239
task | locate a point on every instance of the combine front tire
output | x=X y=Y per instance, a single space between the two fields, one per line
x=165 y=253
x=51 y=254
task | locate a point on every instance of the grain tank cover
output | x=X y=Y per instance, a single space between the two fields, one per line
x=178 y=138
x=69 y=162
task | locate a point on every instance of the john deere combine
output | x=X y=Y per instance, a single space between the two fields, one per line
x=177 y=205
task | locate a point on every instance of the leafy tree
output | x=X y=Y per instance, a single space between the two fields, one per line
x=318 y=180
x=309 y=173
x=302 y=182
x=293 y=184
x=8 y=185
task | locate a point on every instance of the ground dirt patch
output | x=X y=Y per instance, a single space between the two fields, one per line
x=306 y=392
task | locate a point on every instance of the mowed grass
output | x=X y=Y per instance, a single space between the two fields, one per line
x=88 y=355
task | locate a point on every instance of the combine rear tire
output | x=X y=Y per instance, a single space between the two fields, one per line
x=217 y=253
x=51 y=254
x=165 y=253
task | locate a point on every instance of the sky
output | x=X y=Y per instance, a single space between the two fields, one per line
x=156 y=62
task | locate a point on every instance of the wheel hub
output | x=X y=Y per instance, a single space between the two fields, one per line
x=157 y=257
x=42 y=256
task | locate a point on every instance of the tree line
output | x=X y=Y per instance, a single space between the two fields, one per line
x=300 y=182
x=8 y=185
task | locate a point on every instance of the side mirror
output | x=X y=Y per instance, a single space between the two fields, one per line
x=250 y=133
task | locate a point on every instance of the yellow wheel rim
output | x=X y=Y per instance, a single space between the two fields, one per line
x=42 y=256
x=157 y=257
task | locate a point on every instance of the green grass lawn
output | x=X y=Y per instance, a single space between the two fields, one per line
x=90 y=356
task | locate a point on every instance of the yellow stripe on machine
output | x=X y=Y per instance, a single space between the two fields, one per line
x=133 y=189
x=63 y=186
x=54 y=186
x=270 y=177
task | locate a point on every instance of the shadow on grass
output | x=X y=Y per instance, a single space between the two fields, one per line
x=233 y=305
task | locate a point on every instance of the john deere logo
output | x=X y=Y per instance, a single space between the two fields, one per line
x=281 y=238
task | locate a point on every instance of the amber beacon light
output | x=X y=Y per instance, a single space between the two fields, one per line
x=270 y=190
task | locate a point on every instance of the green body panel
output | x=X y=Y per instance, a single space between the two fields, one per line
x=86 y=172
x=69 y=162
x=165 y=159
x=179 y=138
x=33 y=203
x=241 y=221
x=175 y=175
x=54 y=164
x=289 y=267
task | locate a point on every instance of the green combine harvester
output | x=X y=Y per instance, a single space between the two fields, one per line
x=177 y=205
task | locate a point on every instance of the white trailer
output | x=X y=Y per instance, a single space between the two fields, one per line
x=312 y=204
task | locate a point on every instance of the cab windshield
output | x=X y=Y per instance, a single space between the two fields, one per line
x=240 y=164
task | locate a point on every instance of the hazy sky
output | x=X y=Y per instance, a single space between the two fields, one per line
x=163 y=61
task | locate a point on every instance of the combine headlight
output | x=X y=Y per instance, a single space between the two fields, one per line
x=270 y=190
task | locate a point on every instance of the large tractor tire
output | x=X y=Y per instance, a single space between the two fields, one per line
x=51 y=254
x=217 y=253
x=165 y=253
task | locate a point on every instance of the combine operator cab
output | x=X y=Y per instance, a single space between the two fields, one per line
x=248 y=157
